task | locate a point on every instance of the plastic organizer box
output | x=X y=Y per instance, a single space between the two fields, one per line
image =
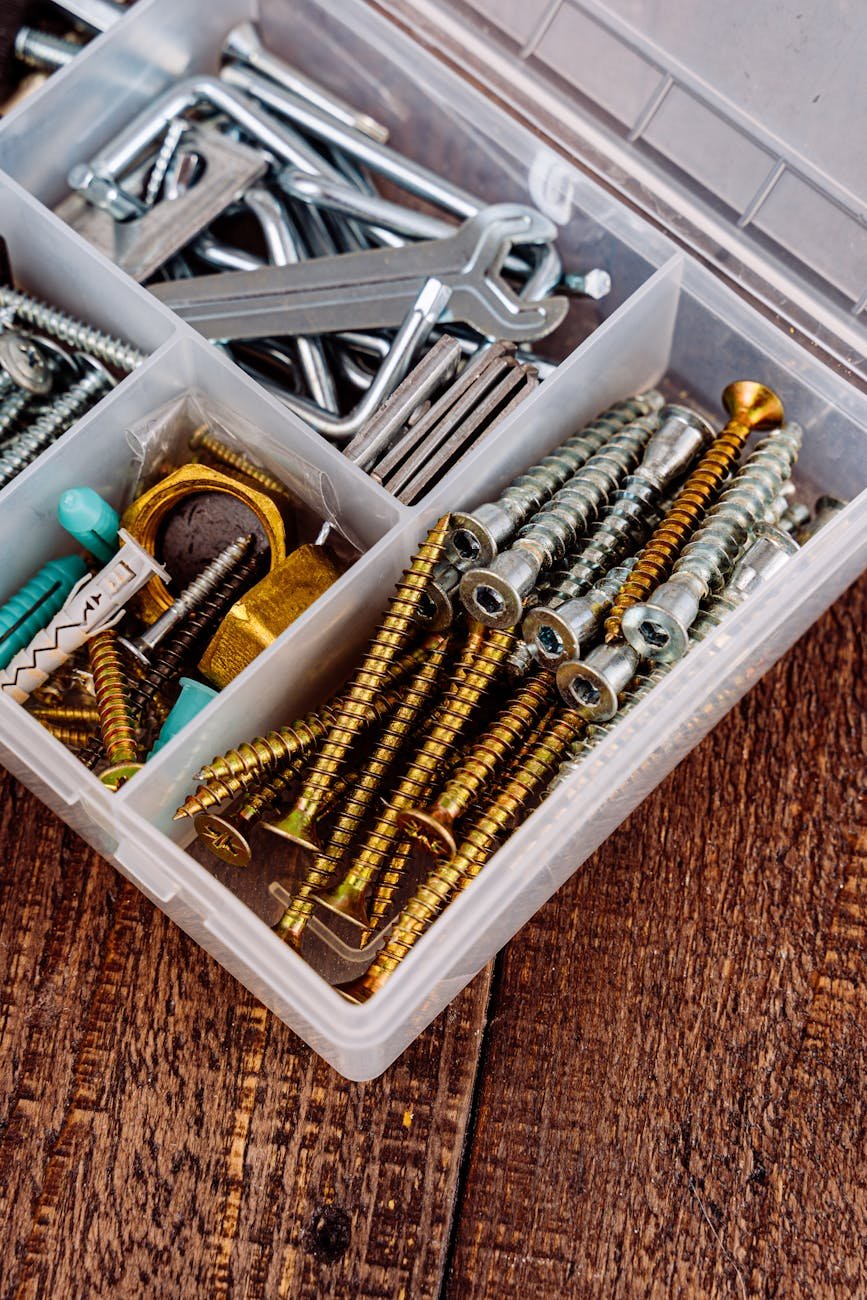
x=670 y=321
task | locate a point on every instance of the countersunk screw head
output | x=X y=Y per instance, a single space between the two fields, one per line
x=223 y=839
x=753 y=404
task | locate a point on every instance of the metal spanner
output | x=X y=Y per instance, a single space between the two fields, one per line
x=374 y=289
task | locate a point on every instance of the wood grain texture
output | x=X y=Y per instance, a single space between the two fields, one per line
x=672 y=1094
x=666 y=1099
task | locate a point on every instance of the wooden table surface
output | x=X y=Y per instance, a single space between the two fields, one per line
x=657 y=1089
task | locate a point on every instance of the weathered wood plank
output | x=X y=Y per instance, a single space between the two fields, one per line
x=672 y=1101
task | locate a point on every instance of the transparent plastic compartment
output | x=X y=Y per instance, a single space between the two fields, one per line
x=433 y=116
x=676 y=325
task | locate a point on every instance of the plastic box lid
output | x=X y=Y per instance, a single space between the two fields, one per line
x=739 y=128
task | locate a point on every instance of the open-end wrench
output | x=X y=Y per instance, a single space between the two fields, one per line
x=374 y=289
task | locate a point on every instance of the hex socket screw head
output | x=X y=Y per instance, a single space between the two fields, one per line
x=495 y=596
x=594 y=686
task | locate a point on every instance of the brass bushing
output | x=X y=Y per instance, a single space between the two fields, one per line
x=265 y=611
x=144 y=517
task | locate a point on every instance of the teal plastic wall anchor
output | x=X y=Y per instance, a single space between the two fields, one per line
x=193 y=698
x=89 y=518
x=34 y=606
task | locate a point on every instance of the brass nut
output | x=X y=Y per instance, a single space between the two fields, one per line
x=143 y=518
x=266 y=610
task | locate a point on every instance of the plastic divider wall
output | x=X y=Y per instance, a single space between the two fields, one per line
x=668 y=321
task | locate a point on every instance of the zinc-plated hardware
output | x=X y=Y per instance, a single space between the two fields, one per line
x=425 y=311
x=244 y=46
x=389 y=641
x=93 y=604
x=104 y=169
x=559 y=633
x=53 y=419
x=141 y=237
x=338 y=196
x=499 y=815
x=374 y=288
x=211 y=577
x=659 y=627
x=43 y=50
x=595 y=283
x=12 y=408
x=768 y=552
x=28 y=362
x=495 y=595
x=594 y=685
x=379 y=432
x=750 y=406
x=825 y=509
x=174 y=134
x=68 y=329
x=112 y=705
x=379 y=158
x=477 y=536
x=284 y=249
x=625 y=521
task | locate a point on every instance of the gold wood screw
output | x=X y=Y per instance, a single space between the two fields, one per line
x=750 y=406
x=435 y=824
x=481 y=660
x=203 y=440
x=500 y=815
x=68 y=734
x=390 y=640
x=287 y=748
x=115 y=720
x=76 y=715
x=381 y=760
x=321 y=871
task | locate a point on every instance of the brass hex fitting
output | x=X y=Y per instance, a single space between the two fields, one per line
x=144 y=517
x=265 y=611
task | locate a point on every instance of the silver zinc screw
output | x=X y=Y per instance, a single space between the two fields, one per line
x=495 y=595
x=634 y=508
x=211 y=577
x=825 y=509
x=771 y=549
x=476 y=537
x=11 y=409
x=163 y=161
x=555 y=634
x=659 y=627
x=68 y=329
x=44 y=51
x=53 y=419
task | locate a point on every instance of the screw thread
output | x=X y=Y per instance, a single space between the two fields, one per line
x=112 y=704
x=175 y=653
x=668 y=539
x=69 y=329
x=530 y=490
x=68 y=734
x=173 y=134
x=446 y=878
x=43 y=50
x=715 y=546
x=552 y=532
x=10 y=412
x=385 y=753
x=51 y=421
x=488 y=755
x=390 y=639
x=476 y=668
x=79 y=715
x=625 y=522
x=202 y=440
